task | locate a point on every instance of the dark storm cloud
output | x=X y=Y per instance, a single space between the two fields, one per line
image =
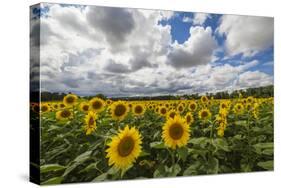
x=114 y=67
x=139 y=61
x=136 y=64
x=115 y=23
x=179 y=58
x=68 y=79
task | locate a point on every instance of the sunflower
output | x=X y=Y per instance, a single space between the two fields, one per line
x=150 y=107
x=55 y=106
x=221 y=119
x=224 y=105
x=84 y=106
x=192 y=106
x=189 y=118
x=124 y=148
x=138 y=109
x=248 y=106
x=204 y=99
x=172 y=114
x=204 y=114
x=119 y=110
x=61 y=105
x=70 y=100
x=180 y=108
x=90 y=122
x=250 y=99
x=97 y=104
x=108 y=102
x=156 y=110
x=163 y=111
x=238 y=108
x=45 y=108
x=255 y=110
x=175 y=132
x=183 y=104
x=63 y=114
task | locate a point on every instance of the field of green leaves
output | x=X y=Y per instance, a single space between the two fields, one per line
x=98 y=140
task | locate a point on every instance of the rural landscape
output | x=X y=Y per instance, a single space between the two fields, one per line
x=102 y=139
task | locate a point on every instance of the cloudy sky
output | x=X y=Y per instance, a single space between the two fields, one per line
x=126 y=52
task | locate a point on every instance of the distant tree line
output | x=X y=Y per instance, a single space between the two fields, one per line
x=56 y=96
x=260 y=92
x=48 y=96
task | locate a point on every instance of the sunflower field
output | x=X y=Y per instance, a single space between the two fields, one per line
x=99 y=140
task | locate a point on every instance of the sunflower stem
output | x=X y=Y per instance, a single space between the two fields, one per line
x=172 y=156
x=212 y=130
x=121 y=174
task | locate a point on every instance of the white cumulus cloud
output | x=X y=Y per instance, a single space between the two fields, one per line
x=197 y=50
x=246 y=34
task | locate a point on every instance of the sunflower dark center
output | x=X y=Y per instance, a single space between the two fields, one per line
x=120 y=110
x=126 y=146
x=138 y=109
x=163 y=110
x=86 y=107
x=96 y=105
x=223 y=106
x=69 y=99
x=188 y=119
x=192 y=106
x=62 y=105
x=172 y=114
x=204 y=114
x=44 y=108
x=180 y=108
x=91 y=121
x=176 y=131
x=65 y=113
